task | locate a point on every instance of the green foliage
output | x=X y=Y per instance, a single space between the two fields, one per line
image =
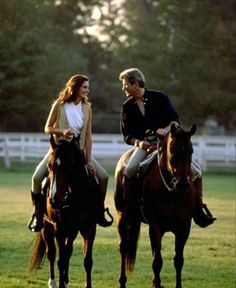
x=185 y=48
x=36 y=60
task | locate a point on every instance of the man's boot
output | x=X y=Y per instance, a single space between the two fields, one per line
x=100 y=208
x=202 y=216
x=36 y=223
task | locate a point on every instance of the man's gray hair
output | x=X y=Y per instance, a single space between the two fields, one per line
x=133 y=75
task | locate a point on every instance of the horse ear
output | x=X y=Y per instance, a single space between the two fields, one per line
x=193 y=130
x=173 y=129
x=52 y=142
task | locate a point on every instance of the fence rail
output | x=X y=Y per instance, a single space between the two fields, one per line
x=209 y=151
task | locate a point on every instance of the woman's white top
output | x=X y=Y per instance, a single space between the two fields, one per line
x=75 y=116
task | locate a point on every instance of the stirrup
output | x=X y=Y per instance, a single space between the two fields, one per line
x=207 y=211
x=205 y=218
x=103 y=222
x=109 y=214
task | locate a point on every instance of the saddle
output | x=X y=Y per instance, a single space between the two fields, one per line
x=145 y=164
x=132 y=194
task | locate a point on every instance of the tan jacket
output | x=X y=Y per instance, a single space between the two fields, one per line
x=62 y=121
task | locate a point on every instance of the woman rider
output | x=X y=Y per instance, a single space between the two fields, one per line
x=70 y=115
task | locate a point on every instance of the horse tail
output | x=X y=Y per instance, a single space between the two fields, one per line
x=119 y=195
x=129 y=240
x=37 y=254
x=133 y=232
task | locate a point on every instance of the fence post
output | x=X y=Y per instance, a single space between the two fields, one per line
x=22 y=147
x=6 y=156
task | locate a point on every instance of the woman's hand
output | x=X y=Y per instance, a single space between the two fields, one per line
x=91 y=169
x=67 y=132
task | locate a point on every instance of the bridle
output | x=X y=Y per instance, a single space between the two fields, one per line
x=152 y=138
x=172 y=186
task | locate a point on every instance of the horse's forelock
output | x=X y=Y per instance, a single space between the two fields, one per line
x=176 y=140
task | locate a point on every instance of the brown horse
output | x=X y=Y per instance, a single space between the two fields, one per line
x=167 y=203
x=76 y=213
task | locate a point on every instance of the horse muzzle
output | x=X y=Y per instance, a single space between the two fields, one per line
x=181 y=185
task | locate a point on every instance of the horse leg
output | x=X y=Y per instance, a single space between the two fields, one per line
x=181 y=238
x=88 y=237
x=123 y=249
x=48 y=236
x=123 y=278
x=155 y=238
x=52 y=283
x=63 y=280
x=68 y=250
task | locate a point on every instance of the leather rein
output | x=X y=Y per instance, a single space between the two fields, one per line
x=170 y=189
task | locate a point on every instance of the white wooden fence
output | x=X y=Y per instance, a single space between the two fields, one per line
x=209 y=151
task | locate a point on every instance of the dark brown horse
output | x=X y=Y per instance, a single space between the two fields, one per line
x=76 y=213
x=168 y=202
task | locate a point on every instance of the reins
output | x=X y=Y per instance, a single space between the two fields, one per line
x=170 y=189
x=161 y=174
x=152 y=138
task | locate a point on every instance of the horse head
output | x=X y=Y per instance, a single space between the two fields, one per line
x=179 y=152
x=65 y=163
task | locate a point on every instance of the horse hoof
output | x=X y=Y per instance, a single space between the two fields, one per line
x=52 y=283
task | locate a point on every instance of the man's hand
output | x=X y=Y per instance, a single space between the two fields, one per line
x=161 y=132
x=142 y=144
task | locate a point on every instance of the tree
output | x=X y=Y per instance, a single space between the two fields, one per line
x=186 y=49
x=36 y=60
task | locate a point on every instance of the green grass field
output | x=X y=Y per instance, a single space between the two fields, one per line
x=209 y=254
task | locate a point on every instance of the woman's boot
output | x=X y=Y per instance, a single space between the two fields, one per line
x=36 y=223
x=100 y=199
